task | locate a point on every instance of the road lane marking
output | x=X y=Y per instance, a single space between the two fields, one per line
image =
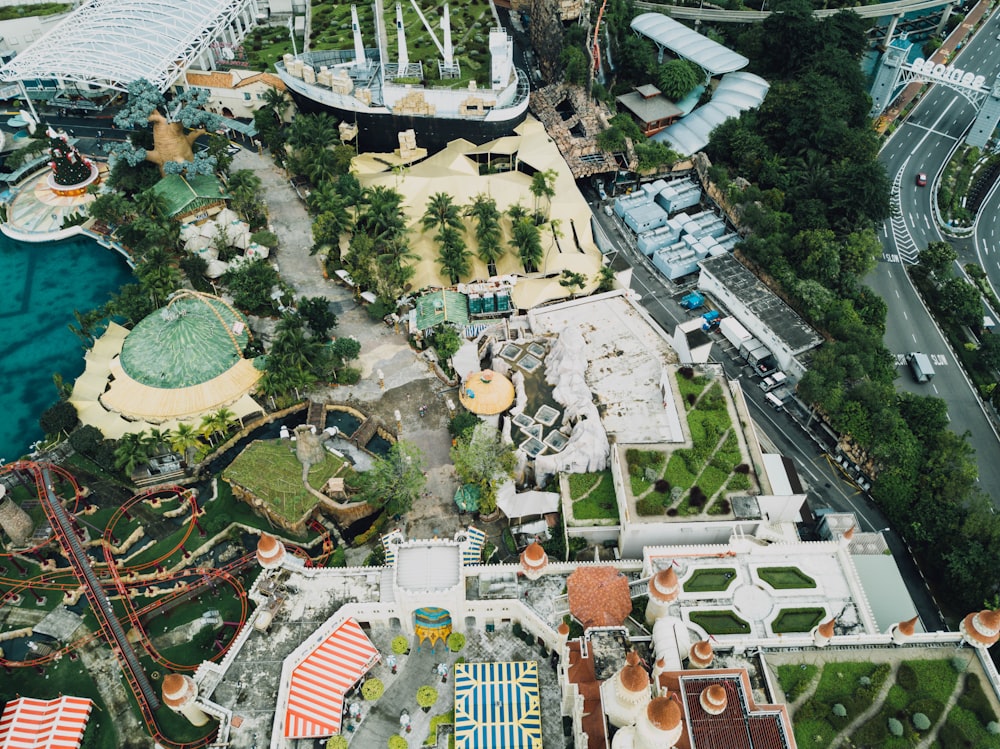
x=905 y=316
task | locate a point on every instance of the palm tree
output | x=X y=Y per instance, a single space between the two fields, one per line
x=441 y=212
x=454 y=256
x=276 y=101
x=543 y=185
x=131 y=451
x=395 y=267
x=207 y=428
x=484 y=209
x=243 y=183
x=149 y=203
x=383 y=217
x=224 y=420
x=156 y=440
x=325 y=197
x=323 y=165
x=184 y=439
x=309 y=132
x=527 y=243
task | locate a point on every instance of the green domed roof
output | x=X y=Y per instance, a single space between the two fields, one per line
x=190 y=341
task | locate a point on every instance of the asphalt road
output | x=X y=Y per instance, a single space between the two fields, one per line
x=923 y=143
x=824 y=480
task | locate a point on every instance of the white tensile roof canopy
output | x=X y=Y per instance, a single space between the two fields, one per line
x=110 y=43
x=689 y=44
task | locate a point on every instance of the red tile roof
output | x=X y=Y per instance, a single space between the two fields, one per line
x=581 y=673
x=599 y=596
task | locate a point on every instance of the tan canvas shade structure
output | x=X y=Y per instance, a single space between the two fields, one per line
x=487 y=393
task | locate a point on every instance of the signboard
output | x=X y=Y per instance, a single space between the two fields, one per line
x=947 y=73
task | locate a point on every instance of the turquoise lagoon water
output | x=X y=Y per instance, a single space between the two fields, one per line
x=42 y=285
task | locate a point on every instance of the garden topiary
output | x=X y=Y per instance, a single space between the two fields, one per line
x=400 y=645
x=865 y=681
x=993 y=728
x=336 y=742
x=840 y=711
x=742 y=468
x=906 y=677
x=895 y=728
x=648 y=506
x=920 y=721
x=686 y=372
x=672 y=512
x=426 y=697
x=397 y=742
x=456 y=641
x=372 y=689
x=662 y=486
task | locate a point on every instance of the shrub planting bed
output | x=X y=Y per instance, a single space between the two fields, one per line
x=720 y=622
x=797 y=620
x=710 y=580
x=785 y=578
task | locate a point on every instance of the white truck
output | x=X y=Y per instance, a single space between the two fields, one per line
x=734 y=332
x=773 y=381
x=920 y=366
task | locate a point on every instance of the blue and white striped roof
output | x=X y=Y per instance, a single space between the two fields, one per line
x=497 y=705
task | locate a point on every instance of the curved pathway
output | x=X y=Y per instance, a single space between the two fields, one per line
x=876 y=705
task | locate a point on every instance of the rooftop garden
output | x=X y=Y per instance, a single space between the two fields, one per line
x=13 y=12
x=695 y=480
x=271 y=471
x=593 y=496
x=890 y=706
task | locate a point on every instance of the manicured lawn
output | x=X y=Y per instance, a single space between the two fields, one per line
x=797 y=620
x=600 y=503
x=720 y=622
x=710 y=579
x=785 y=578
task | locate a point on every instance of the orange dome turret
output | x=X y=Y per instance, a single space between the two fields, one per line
x=713 y=699
x=664 y=713
x=701 y=655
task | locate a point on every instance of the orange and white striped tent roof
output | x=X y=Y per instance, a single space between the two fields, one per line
x=319 y=682
x=28 y=723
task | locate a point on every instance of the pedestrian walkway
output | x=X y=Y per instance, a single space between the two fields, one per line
x=382 y=720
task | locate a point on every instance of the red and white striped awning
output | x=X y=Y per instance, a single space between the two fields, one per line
x=27 y=723
x=319 y=682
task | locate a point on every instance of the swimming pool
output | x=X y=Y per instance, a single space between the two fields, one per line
x=42 y=285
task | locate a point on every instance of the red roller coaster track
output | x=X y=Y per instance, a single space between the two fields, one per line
x=84 y=573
